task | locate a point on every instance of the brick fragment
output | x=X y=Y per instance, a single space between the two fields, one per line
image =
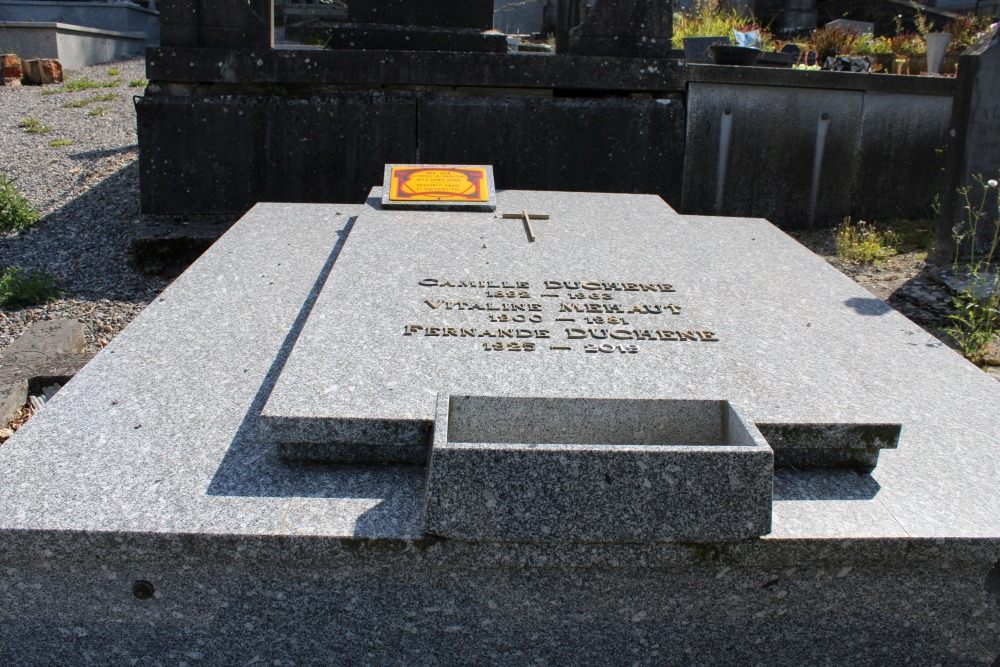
x=40 y=71
x=11 y=71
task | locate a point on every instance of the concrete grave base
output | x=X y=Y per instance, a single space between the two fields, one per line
x=112 y=16
x=74 y=46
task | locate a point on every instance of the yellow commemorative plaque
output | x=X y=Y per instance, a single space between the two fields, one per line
x=439 y=186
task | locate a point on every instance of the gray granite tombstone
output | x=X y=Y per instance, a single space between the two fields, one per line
x=975 y=145
x=617 y=431
x=529 y=305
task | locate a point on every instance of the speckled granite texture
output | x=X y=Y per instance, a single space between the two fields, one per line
x=596 y=470
x=148 y=466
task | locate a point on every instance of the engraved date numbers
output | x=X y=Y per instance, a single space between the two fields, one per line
x=515 y=318
x=509 y=294
x=508 y=347
x=608 y=348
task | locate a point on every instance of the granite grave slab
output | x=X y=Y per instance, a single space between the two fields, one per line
x=143 y=518
x=481 y=304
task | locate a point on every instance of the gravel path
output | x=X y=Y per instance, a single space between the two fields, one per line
x=88 y=196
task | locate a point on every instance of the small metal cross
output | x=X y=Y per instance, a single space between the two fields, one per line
x=527 y=218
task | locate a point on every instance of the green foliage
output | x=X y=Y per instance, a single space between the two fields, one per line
x=60 y=142
x=98 y=111
x=966 y=31
x=974 y=323
x=114 y=71
x=913 y=235
x=77 y=85
x=138 y=83
x=976 y=319
x=864 y=244
x=15 y=211
x=830 y=42
x=34 y=126
x=316 y=39
x=107 y=97
x=707 y=18
x=908 y=44
x=870 y=45
x=19 y=287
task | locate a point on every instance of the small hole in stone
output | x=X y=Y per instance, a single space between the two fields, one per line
x=143 y=590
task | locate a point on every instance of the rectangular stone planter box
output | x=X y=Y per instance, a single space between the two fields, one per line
x=538 y=469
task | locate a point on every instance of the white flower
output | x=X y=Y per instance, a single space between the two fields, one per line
x=992 y=183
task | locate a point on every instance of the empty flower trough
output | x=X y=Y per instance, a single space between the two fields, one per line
x=649 y=470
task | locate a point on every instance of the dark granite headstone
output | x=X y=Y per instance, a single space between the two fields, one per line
x=975 y=147
x=476 y=14
x=430 y=25
x=237 y=24
x=634 y=28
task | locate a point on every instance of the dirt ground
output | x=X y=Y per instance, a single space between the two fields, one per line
x=907 y=282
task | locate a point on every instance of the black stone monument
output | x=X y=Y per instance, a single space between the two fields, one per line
x=429 y=25
x=975 y=144
x=631 y=28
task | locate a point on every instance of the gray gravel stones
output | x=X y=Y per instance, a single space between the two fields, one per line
x=88 y=195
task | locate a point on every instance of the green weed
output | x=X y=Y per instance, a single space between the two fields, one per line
x=19 y=287
x=708 y=18
x=976 y=319
x=34 y=126
x=107 y=97
x=114 y=71
x=60 y=142
x=98 y=111
x=913 y=235
x=138 y=83
x=15 y=211
x=77 y=85
x=864 y=244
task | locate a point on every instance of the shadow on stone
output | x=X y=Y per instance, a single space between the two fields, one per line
x=249 y=470
x=869 y=307
x=841 y=484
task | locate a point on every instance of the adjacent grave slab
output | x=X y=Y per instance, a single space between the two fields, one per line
x=113 y=16
x=47 y=352
x=74 y=46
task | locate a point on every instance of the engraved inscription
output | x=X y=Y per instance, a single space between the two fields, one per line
x=616 y=317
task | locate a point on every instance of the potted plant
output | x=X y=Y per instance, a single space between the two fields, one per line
x=701 y=27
